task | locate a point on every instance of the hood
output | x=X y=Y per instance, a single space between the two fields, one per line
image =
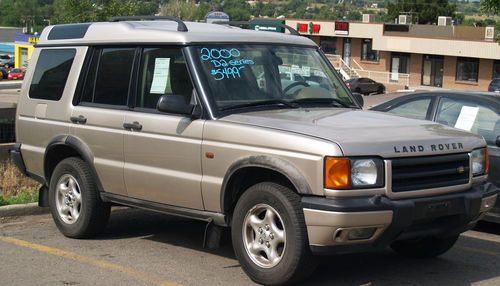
x=365 y=133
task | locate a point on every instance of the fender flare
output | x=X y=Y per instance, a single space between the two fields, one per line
x=80 y=147
x=281 y=166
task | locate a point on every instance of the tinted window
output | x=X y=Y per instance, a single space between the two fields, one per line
x=163 y=72
x=108 y=79
x=469 y=116
x=413 y=109
x=51 y=73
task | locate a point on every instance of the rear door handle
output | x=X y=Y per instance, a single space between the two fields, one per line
x=78 y=119
x=135 y=126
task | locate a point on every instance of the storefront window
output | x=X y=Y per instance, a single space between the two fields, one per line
x=367 y=54
x=328 y=45
x=496 y=69
x=467 y=69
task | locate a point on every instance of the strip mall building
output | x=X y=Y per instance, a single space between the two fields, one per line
x=442 y=56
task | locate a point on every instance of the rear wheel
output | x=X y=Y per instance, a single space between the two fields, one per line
x=427 y=247
x=381 y=90
x=270 y=237
x=74 y=200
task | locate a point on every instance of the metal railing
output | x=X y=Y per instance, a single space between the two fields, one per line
x=349 y=72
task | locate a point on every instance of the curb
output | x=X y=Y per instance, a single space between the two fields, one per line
x=22 y=210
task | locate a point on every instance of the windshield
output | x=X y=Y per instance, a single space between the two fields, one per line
x=253 y=75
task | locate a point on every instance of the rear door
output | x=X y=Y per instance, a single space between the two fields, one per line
x=99 y=114
x=163 y=151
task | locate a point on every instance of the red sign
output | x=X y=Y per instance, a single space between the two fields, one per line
x=308 y=28
x=342 y=28
x=315 y=28
x=302 y=28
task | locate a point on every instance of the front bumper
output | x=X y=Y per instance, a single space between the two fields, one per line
x=332 y=222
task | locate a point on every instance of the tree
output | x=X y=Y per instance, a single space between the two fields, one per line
x=424 y=11
x=74 y=11
x=491 y=7
x=185 y=10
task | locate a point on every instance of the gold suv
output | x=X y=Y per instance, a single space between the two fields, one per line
x=244 y=129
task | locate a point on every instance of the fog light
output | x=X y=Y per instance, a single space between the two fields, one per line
x=361 y=233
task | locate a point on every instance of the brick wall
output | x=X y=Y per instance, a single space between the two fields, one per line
x=484 y=77
x=415 y=69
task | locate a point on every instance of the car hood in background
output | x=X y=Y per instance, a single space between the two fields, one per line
x=364 y=133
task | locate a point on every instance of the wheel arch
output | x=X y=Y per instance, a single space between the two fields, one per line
x=65 y=146
x=255 y=169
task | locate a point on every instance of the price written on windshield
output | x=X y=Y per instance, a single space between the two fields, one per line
x=225 y=62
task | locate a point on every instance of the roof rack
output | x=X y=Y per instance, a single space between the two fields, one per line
x=256 y=22
x=181 y=26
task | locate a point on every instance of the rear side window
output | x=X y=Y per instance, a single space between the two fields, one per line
x=51 y=73
x=108 y=79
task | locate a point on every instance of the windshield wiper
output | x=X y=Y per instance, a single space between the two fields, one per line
x=330 y=101
x=279 y=102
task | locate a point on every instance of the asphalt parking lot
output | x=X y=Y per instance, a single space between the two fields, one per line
x=144 y=248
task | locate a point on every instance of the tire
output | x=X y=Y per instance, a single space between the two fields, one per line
x=427 y=247
x=295 y=262
x=358 y=90
x=381 y=90
x=74 y=200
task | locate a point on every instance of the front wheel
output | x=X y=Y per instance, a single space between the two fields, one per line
x=270 y=237
x=427 y=247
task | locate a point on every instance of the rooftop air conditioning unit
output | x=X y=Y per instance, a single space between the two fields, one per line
x=404 y=19
x=368 y=18
x=489 y=33
x=444 y=21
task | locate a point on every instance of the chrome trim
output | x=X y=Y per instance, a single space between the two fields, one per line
x=427 y=192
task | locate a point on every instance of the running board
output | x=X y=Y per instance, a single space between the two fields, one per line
x=210 y=217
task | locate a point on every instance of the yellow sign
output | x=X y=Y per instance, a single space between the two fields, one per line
x=33 y=40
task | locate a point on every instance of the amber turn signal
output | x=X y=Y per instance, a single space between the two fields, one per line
x=337 y=173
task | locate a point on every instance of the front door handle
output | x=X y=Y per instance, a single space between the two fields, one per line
x=135 y=126
x=78 y=119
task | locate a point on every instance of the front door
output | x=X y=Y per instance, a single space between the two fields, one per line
x=432 y=70
x=347 y=51
x=163 y=151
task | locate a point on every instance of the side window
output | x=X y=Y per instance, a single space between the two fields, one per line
x=163 y=72
x=471 y=117
x=414 y=109
x=108 y=78
x=51 y=73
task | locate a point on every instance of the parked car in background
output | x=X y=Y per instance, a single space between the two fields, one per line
x=475 y=112
x=16 y=74
x=365 y=86
x=6 y=60
x=494 y=85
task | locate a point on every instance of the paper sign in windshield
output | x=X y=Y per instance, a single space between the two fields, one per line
x=160 y=76
x=467 y=117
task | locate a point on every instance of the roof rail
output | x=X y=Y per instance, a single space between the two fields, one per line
x=181 y=26
x=256 y=22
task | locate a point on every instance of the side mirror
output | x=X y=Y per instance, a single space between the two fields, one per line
x=176 y=104
x=359 y=98
x=498 y=141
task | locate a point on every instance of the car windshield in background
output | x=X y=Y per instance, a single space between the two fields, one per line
x=242 y=76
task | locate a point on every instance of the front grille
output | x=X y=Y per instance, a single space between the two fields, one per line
x=419 y=173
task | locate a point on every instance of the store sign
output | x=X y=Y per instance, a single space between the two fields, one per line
x=267 y=25
x=216 y=16
x=341 y=28
x=309 y=28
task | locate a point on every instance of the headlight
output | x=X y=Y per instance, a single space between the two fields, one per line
x=364 y=172
x=479 y=159
x=346 y=173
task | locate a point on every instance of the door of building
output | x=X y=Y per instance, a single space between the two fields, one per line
x=432 y=70
x=346 y=54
